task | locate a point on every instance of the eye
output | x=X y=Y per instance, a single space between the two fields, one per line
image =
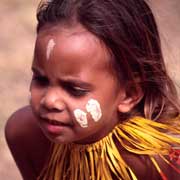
x=76 y=91
x=40 y=80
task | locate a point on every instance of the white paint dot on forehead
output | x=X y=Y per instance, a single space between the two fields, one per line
x=50 y=47
x=93 y=107
x=81 y=117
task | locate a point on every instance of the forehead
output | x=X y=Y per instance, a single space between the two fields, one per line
x=75 y=50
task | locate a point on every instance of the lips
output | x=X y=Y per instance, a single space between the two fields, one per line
x=53 y=126
x=53 y=119
x=54 y=122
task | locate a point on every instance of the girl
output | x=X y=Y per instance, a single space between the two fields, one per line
x=103 y=106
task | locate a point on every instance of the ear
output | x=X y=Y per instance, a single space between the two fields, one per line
x=130 y=100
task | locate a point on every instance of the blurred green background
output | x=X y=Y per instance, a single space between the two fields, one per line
x=17 y=36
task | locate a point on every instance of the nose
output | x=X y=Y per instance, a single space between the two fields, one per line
x=52 y=100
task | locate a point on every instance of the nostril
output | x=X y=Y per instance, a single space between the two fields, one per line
x=51 y=109
x=55 y=105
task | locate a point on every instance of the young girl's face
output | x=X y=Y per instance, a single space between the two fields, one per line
x=74 y=92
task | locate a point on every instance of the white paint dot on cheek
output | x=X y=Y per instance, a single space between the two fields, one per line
x=50 y=48
x=93 y=107
x=81 y=117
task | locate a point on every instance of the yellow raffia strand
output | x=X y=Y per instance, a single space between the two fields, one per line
x=163 y=176
x=98 y=161
x=146 y=136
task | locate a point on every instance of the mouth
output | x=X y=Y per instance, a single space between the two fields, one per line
x=53 y=119
x=54 y=122
x=54 y=127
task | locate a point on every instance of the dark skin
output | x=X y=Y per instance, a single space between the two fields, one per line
x=27 y=143
x=30 y=149
x=28 y=134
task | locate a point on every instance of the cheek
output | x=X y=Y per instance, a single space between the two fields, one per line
x=91 y=112
x=81 y=118
x=36 y=95
x=93 y=107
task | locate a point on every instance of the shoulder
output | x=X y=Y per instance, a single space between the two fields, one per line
x=144 y=168
x=171 y=171
x=141 y=165
x=26 y=141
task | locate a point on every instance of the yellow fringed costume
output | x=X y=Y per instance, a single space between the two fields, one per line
x=98 y=161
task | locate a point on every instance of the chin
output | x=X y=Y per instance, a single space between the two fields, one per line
x=58 y=139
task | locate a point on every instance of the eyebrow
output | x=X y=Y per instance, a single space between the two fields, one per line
x=75 y=82
x=67 y=81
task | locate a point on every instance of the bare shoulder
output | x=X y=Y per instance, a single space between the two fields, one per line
x=172 y=173
x=143 y=167
x=27 y=143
